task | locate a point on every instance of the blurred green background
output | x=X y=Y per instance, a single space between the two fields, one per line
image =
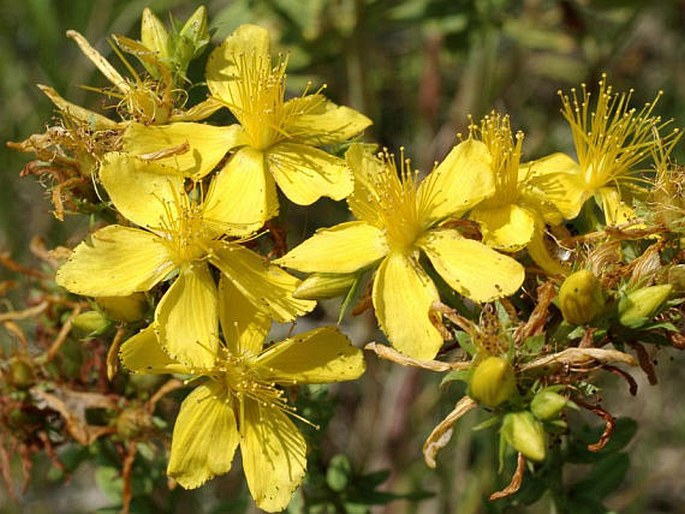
x=417 y=68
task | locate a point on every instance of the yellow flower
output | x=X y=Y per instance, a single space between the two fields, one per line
x=177 y=234
x=277 y=140
x=514 y=217
x=240 y=401
x=614 y=142
x=398 y=218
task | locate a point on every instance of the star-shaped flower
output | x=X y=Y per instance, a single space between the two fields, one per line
x=398 y=220
x=178 y=237
x=241 y=400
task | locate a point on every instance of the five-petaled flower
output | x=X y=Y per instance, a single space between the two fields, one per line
x=398 y=219
x=241 y=400
x=181 y=235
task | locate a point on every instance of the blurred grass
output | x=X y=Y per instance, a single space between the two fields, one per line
x=417 y=68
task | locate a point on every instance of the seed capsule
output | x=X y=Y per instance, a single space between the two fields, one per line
x=635 y=309
x=324 y=285
x=525 y=434
x=91 y=323
x=493 y=382
x=580 y=298
x=547 y=405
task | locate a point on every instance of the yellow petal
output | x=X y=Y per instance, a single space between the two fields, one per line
x=471 y=268
x=315 y=120
x=187 y=318
x=142 y=192
x=540 y=253
x=100 y=62
x=118 y=261
x=205 y=437
x=557 y=177
x=305 y=174
x=248 y=42
x=143 y=354
x=92 y=119
x=508 y=227
x=266 y=286
x=344 y=248
x=244 y=326
x=239 y=194
x=459 y=182
x=402 y=296
x=319 y=356
x=188 y=149
x=274 y=455
x=364 y=202
x=197 y=112
x=616 y=211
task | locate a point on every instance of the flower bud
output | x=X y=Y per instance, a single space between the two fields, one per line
x=195 y=30
x=153 y=35
x=124 y=308
x=324 y=285
x=581 y=298
x=525 y=434
x=493 y=382
x=547 y=404
x=635 y=309
x=91 y=324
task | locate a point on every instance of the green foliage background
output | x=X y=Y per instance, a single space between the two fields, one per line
x=417 y=68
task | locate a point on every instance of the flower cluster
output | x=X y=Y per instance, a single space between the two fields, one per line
x=189 y=205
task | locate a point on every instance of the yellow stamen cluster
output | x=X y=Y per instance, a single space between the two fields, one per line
x=612 y=138
x=505 y=149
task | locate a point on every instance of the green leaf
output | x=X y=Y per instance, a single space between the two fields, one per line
x=604 y=478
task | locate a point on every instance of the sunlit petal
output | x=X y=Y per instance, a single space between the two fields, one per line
x=402 y=296
x=557 y=177
x=244 y=326
x=344 y=248
x=117 y=261
x=248 y=42
x=274 y=455
x=318 y=356
x=265 y=285
x=142 y=192
x=471 y=268
x=509 y=227
x=205 y=437
x=188 y=149
x=188 y=319
x=143 y=354
x=460 y=181
x=237 y=200
x=315 y=120
x=305 y=174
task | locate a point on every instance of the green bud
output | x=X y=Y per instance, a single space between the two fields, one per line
x=153 y=35
x=547 y=404
x=525 y=434
x=324 y=285
x=22 y=374
x=581 y=298
x=493 y=382
x=91 y=324
x=195 y=30
x=124 y=308
x=635 y=309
